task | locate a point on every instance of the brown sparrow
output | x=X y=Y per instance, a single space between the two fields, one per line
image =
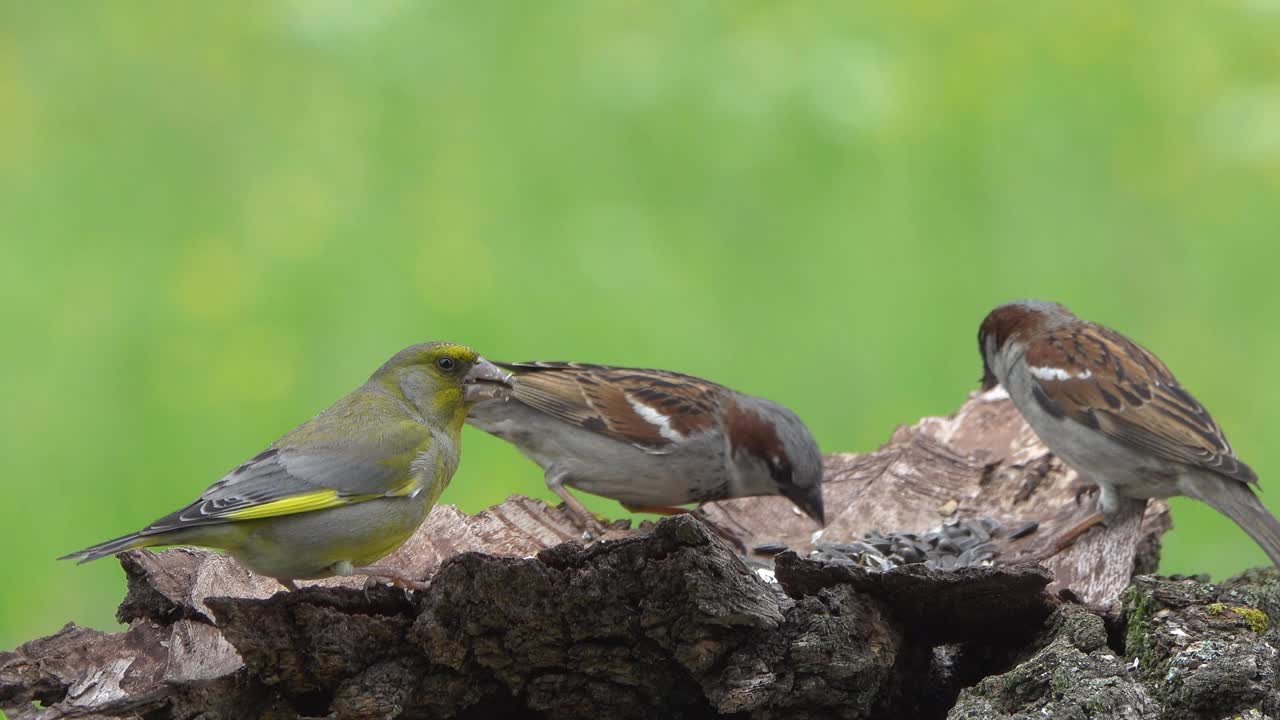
x=651 y=439
x=1111 y=410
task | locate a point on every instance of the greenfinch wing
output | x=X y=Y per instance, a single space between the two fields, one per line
x=286 y=480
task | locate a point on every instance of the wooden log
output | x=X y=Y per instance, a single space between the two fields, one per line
x=523 y=619
x=981 y=461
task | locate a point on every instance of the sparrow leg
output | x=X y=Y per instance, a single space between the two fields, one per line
x=289 y=585
x=1109 y=502
x=555 y=481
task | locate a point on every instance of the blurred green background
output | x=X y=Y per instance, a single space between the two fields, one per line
x=219 y=218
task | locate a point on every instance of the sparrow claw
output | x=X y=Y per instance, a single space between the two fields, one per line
x=722 y=532
x=593 y=527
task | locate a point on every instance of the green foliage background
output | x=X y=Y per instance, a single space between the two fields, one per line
x=217 y=218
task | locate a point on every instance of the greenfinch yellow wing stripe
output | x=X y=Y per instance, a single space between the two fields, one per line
x=306 y=502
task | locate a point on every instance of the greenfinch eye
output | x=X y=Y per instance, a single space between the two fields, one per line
x=446 y=364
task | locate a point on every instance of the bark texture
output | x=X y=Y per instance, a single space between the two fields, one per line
x=522 y=619
x=983 y=461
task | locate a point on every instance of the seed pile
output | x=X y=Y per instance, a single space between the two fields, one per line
x=955 y=544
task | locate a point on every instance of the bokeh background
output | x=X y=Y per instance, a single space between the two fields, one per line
x=218 y=218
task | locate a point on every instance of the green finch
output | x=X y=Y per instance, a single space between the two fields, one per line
x=345 y=488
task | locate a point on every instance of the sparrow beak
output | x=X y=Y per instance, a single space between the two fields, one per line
x=485 y=381
x=809 y=500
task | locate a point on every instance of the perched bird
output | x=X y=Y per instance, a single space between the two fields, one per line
x=651 y=439
x=346 y=487
x=1111 y=410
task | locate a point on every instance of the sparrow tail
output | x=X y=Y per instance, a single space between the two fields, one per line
x=1237 y=501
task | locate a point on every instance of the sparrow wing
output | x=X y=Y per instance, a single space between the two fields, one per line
x=1103 y=380
x=652 y=409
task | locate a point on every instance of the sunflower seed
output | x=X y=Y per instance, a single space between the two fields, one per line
x=1023 y=530
x=977 y=530
x=953 y=544
x=769 y=549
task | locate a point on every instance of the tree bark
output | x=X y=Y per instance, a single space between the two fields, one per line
x=524 y=619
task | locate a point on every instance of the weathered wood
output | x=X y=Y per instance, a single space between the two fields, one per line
x=982 y=461
x=666 y=623
x=1192 y=650
x=938 y=606
x=523 y=620
x=78 y=671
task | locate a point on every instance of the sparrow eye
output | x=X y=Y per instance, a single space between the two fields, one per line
x=446 y=364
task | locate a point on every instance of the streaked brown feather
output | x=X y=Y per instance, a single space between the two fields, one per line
x=1131 y=397
x=596 y=397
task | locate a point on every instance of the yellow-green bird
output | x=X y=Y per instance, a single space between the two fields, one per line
x=345 y=488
